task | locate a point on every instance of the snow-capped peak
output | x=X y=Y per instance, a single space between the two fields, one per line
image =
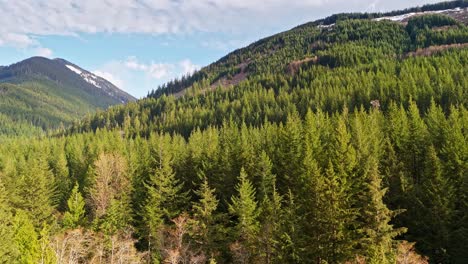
x=88 y=77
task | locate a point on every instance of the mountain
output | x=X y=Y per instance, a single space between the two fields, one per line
x=343 y=140
x=47 y=93
x=288 y=50
x=290 y=61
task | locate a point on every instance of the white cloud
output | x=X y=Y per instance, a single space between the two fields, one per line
x=111 y=78
x=16 y=40
x=132 y=63
x=160 y=70
x=22 y=20
x=44 y=52
x=137 y=77
x=188 y=67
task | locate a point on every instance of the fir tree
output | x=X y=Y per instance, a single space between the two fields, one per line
x=207 y=229
x=378 y=244
x=26 y=239
x=244 y=207
x=164 y=196
x=8 y=251
x=433 y=211
x=75 y=215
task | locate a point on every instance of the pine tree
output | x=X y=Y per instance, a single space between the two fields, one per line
x=272 y=227
x=62 y=181
x=397 y=182
x=244 y=207
x=378 y=244
x=164 y=199
x=74 y=217
x=207 y=229
x=8 y=251
x=417 y=143
x=265 y=179
x=26 y=239
x=47 y=254
x=290 y=153
x=433 y=211
x=35 y=180
x=334 y=219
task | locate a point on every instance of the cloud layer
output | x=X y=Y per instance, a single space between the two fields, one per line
x=23 y=20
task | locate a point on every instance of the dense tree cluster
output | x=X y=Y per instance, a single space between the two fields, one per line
x=270 y=97
x=274 y=54
x=330 y=188
x=337 y=148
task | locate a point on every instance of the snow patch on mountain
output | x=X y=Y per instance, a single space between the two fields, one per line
x=73 y=69
x=91 y=78
x=88 y=77
x=401 y=18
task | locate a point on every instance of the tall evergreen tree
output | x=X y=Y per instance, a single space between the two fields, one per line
x=244 y=206
x=208 y=230
x=26 y=239
x=8 y=251
x=75 y=215
x=164 y=199
x=378 y=244
x=433 y=211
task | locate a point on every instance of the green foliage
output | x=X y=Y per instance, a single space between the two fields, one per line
x=245 y=208
x=26 y=239
x=74 y=217
x=8 y=251
x=294 y=164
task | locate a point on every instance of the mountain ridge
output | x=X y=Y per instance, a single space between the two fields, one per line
x=243 y=60
x=49 y=93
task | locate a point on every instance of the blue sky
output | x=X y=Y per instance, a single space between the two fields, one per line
x=140 y=44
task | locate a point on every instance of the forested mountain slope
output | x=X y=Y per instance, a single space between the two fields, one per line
x=339 y=144
x=307 y=43
x=47 y=93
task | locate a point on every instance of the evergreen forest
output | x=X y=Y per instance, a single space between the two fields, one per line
x=343 y=140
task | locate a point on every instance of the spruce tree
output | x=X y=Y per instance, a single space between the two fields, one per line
x=378 y=244
x=244 y=206
x=8 y=251
x=25 y=238
x=207 y=229
x=334 y=219
x=272 y=228
x=164 y=197
x=75 y=215
x=433 y=211
x=35 y=180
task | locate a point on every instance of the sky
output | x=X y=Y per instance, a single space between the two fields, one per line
x=141 y=44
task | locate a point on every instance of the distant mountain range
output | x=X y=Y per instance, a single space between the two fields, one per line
x=49 y=92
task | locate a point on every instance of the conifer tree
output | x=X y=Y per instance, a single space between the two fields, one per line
x=378 y=244
x=75 y=215
x=26 y=239
x=433 y=211
x=290 y=153
x=163 y=200
x=334 y=219
x=207 y=231
x=417 y=143
x=35 y=180
x=272 y=228
x=62 y=181
x=47 y=254
x=8 y=251
x=244 y=207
